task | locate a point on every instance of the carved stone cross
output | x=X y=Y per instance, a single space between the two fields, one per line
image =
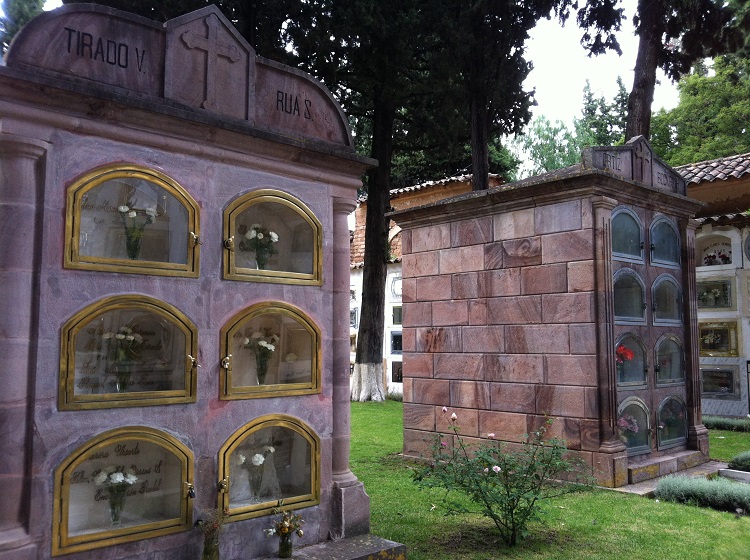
x=643 y=156
x=213 y=50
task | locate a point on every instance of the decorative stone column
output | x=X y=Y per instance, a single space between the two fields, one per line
x=613 y=457
x=351 y=511
x=21 y=182
x=697 y=432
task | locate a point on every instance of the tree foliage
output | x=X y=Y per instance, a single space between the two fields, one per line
x=17 y=14
x=712 y=117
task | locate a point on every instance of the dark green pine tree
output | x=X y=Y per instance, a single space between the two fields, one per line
x=17 y=14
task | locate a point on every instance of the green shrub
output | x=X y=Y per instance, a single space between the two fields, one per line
x=720 y=493
x=394 y=396
x=730 y=424
x=507 y=487
x=741 y=462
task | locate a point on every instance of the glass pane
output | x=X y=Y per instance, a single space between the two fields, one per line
x=128 y=350
x=397 y=315
x=666 y=245
x=124 y=484
x=271 y=349
x=131 y=218
x=666 y=301
x=720 y=382
x=626 y=235
x=632 y=425
x=628 y=297
x=269 y=465
x=672 y=421
x=669 y=361
x=630 y=361
x=273 y=236
x=713 y=295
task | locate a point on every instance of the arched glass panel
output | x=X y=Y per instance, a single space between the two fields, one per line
x=713 y=250
x=124 y=485
x=630 y=361
x=126 y=218
x=666 y=300
x=665 y=243
x=633 y=426
x=129 y=350
x=626 y=235
x=629 y=297
x=669 y=366
x=269 y=349
x=271 y=236
x=672 y=427
x=273 y=458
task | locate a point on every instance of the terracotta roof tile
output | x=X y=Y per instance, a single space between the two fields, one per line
x=711 y=170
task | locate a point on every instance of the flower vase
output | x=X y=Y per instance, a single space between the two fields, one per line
x=122 y=372
x=285 y=546
x=261 y=366
x=117 y=494
x=255 y=477
x=261 y=258
x=132 y=245
x=210 y=548
x=620 y=370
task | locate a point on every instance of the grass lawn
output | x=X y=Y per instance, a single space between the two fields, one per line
x=595 y=524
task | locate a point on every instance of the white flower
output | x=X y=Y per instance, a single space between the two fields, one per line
x=496 y=469
x=269 y=449
x=107 y=335
x=445 y=409
x=274 y=237
x=101 y=478
x=251 y=234
x=151 y=212
x=117 y=478
x=269 y=532
x=257 y=459
x=247 y=341
x=130 y=478
x=491 y=435
x=486 y=469
x=138 y=338
x=453 y=416
x=130 y=338
x=120 y=336
x=123 y=209
x=260 y=235
x=241 y=458
x=132 y=214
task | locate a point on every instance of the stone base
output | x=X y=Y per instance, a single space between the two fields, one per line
x=351 y=509
x=15 y=544
x=649 y=468
x=362 y=547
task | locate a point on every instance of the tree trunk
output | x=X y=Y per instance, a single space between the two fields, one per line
x=479 y=142
x=367 y=378
x=641 y=97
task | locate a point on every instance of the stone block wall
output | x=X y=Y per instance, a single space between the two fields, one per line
x=499 y=326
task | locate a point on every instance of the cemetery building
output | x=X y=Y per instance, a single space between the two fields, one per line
x=175 y=271
x=570 y=296
x=722 y=245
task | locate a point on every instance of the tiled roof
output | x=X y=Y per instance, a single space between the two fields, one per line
x=722 y=168
x=439 y=183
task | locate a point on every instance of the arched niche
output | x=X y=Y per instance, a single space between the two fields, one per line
x=667 y=301
x=270 y=349
x=127 y=350
x=672 y=423
x=128 y=218
x=271 y=236
x=633 y=426
x=275 y=457
x=627 y=235
x=665 y=242
x=126 y=484
x=717 y=249
x=630 y=360
x=629 y=297
x=669 y=360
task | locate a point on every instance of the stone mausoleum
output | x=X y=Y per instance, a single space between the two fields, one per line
x=568 y=296
x=175 y=291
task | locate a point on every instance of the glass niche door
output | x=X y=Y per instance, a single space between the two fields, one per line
x=651 y=394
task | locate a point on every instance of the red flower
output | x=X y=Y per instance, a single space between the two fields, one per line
x=623 y=353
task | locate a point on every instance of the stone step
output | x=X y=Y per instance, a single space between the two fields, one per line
x=361 y=547
x=649 y=468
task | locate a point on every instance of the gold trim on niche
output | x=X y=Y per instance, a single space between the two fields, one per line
x=266 y=508
x=64 y=543
x=717 y=339
x=76 y=197
x=231 y=245
x=67 y=397
x=233 y=329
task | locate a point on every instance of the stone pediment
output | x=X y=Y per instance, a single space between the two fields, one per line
x=635 y=161
x=198 y=60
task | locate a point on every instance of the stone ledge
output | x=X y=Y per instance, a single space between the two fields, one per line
x=361 y=547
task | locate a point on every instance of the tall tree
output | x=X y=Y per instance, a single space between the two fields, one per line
x=712 y=116
x=17 y=14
